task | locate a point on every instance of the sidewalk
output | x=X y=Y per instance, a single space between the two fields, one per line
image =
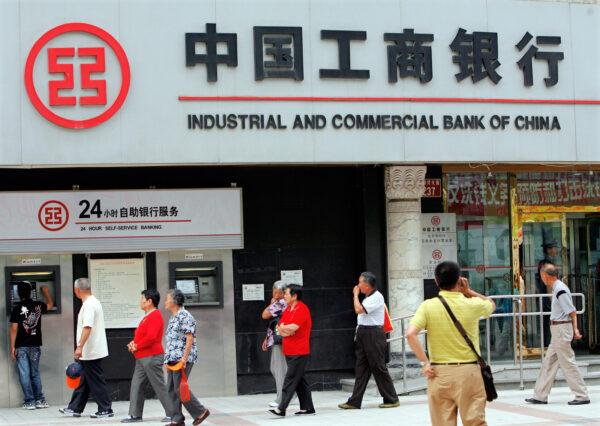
x=250 y=410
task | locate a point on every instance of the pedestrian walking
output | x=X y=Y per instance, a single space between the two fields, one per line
x=370 y=345
x=454 y=381
x=273 y=341
x=563 y=329
x=180 y=357
x=91 y=349
x=149 y=354
x=26 y=342
x=295 y=326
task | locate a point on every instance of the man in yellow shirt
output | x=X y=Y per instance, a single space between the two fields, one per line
x=454 y=378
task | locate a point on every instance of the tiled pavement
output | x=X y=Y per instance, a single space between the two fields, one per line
x=250 y=410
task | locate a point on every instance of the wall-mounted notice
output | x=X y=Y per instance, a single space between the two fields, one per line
x=252 y=292
x=292 y=277
x=438 y=241
x=117 y=283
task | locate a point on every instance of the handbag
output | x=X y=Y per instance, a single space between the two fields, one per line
x=486 y=371
x=388 y=327
x=184 y=387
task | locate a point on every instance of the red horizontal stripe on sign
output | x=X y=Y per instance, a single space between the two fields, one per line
x=134 y=221
x=120 y=236
x=387 y=99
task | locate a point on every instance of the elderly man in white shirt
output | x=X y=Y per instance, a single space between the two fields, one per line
x=370 y=345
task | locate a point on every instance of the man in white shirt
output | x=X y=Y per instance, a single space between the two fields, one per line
x=370 y=345
x=91 y=349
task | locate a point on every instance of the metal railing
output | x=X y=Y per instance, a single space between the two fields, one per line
x=517 y=324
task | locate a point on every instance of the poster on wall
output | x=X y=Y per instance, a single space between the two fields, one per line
x=253 y=292
x=292 y=277
x=117 y=284
x=438 y=241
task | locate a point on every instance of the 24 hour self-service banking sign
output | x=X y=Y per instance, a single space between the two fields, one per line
x=37 y=222
x=298 y=82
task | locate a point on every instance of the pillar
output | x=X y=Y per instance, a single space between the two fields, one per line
x=404 y=186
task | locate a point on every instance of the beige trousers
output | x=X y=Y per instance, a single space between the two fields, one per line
x=457 y=389
x=560 y=354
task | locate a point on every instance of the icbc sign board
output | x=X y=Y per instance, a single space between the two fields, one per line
x=77 y=75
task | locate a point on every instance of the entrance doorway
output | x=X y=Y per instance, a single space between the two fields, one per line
x=570 y=238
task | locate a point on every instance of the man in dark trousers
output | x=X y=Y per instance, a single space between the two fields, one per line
x=91 y=349
x=371 y=345
x=295 y=326
x=26 y=342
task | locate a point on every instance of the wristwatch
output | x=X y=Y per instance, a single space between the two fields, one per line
x=424 y=363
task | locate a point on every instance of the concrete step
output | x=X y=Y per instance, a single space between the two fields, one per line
x=506 y=376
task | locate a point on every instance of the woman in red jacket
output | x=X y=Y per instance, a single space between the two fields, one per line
x=148 y=351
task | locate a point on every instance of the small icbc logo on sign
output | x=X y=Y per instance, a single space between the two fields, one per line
x=435 y=220
x=53 y=215
x=77 y=75
x=436 y=254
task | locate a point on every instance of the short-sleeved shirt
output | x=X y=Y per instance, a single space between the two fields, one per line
x=180 y=324
x=92 y=315
x=445 y=343
x=562 y=302
x=275 y=309
x=374 y=307
x=28 y=315
x=299 y=343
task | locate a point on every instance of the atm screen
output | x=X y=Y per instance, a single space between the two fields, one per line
x=188 y=285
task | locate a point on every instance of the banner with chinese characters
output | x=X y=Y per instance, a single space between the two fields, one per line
x=567 y=189
x=134 y=220
x=438 y=241
x=476 y=194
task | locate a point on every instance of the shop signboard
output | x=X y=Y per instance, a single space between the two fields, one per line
x=413 y=81
x=130 y=220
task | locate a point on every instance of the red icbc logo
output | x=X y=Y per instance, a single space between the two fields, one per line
x=53 y=215
x=67 y=68
x=436 y=254
x=435 y=220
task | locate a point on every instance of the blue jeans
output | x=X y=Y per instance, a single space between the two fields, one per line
x=28 y=363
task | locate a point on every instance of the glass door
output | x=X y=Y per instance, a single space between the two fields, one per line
x=542 y=239
x=592 y=291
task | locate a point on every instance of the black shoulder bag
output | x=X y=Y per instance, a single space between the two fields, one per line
x=486 y=371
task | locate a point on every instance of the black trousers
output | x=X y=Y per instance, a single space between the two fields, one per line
x=370 y=348
x=295 y=382
x=92 y=382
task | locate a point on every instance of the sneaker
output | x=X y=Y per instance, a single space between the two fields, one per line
x=102 y=414
x=390 y=404
x=201 y=417
x=273 y=404
x=69 y=412
x=131 y=419
x=346 y=406
x=28 y=406
x=41 y=404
